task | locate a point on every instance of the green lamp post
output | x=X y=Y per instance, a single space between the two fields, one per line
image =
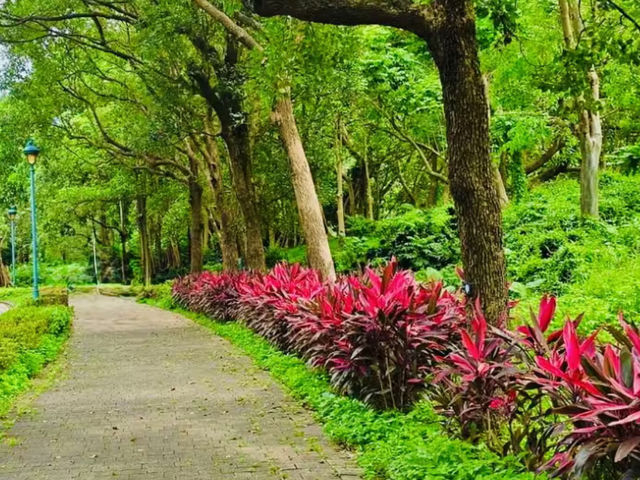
x=12 y=212
x=31 y=151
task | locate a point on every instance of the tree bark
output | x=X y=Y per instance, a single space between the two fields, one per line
x=471 y=170
x=196 y=228
x=309 y=209
x=589 y=129
x=342 y=231
x=448 y=27
x=124 y=236
x=145 y=245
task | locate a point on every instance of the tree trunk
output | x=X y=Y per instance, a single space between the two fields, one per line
x=124 y=236
x=589 y=130
x=590 y=136
x=471 y=171
x=502 y=191
x=196 y=230
x=145 y=245
x=226 y=100
x=237 y=140
x=224 y=220
x=318 y=252
x=340 y=193
x=367 y=180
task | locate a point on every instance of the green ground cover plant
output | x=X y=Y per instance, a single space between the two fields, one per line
x=31 y=336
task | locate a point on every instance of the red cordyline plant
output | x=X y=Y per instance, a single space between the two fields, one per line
x=476 y=384
x=213 y=294
x=480 y=389
x=378 y=334
x=269 y=302
x=598 y=387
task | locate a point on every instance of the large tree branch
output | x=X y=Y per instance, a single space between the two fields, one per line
x=232 y=27
x=557 y=145
x=403 y=14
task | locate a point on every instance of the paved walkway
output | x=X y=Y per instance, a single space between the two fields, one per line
x=150 y=395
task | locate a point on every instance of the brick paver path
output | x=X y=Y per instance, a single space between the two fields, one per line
x=150 y=395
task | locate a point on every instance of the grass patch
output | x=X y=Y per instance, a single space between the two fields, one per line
x=390 y=445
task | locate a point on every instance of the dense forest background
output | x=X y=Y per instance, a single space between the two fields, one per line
x=165 y=139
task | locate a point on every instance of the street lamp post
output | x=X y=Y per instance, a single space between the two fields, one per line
x=13 y=211
x=32 y=151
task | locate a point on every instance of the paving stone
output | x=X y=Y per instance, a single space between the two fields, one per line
x=151 y=395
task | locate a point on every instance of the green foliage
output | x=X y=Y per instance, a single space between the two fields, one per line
x=56 y=274
x=391 y=445
x=549 y=246
x=419 y=239
x=30 y=337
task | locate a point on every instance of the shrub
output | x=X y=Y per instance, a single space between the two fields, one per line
x=30 y=336
x=386 y=331
x=212 y=294
x=476 y=384
x=598 y=387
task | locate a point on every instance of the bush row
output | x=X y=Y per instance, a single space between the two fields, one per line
x=557 y=400
x=30 y=337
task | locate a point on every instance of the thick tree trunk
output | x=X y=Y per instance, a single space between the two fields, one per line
x=237 y=140
x=226 y=101
x=318 y=252
x=471 y=171
x=145 y=244
x=448 y=26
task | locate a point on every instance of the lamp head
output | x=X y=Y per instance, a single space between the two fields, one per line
x=12 y=212
x=31 y=151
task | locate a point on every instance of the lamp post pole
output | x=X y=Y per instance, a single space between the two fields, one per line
x=12 y=217
x=34 y=233
x=32 y=151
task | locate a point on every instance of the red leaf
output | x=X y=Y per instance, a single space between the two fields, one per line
x=470 y=346
x=546 y=313
x=634 y=417
x=548 y=367
x=572 y=346
x=631 y=333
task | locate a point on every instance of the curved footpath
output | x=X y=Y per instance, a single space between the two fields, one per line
x=150 y=395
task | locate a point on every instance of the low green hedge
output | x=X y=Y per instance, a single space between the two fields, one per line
x=30 y=337
x=391 y=445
